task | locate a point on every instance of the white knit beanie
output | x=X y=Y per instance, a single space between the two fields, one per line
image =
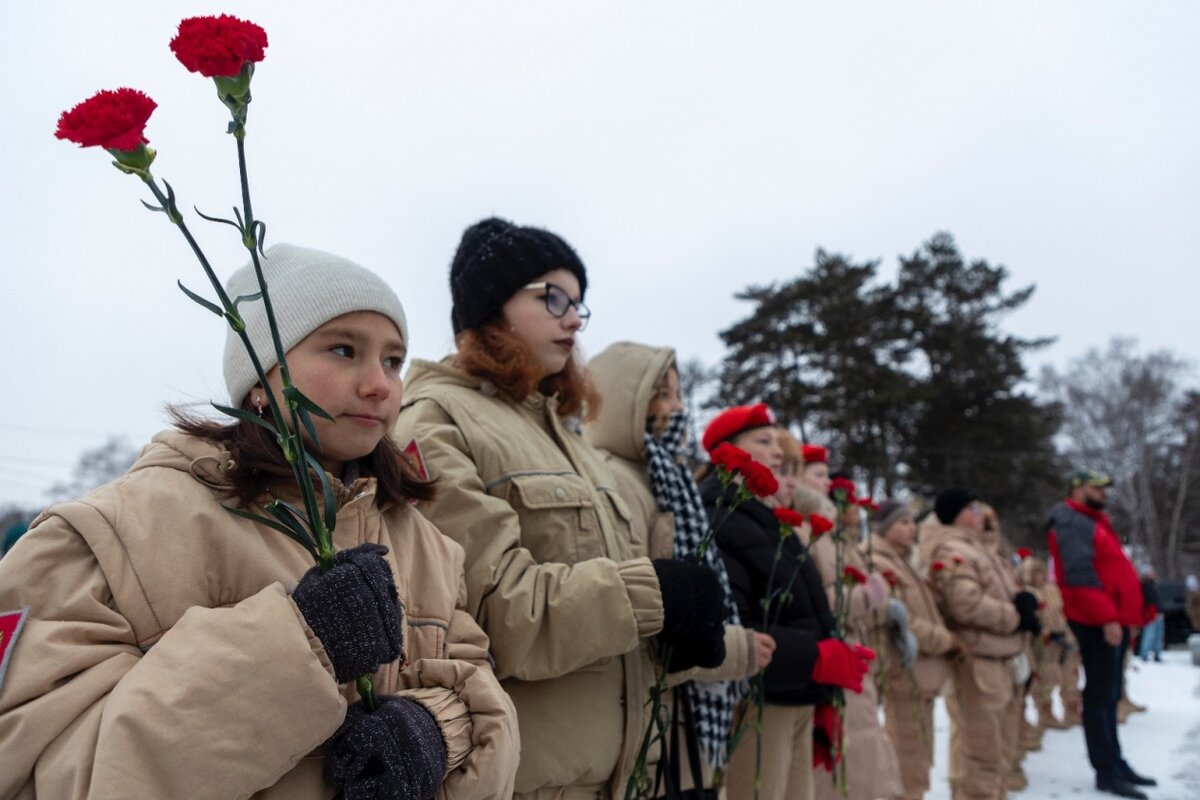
x=308 y=288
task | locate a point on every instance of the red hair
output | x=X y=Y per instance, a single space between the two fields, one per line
x=501 y=357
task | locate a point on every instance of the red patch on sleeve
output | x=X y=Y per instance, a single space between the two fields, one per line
x=413 y=451
x=11 y=623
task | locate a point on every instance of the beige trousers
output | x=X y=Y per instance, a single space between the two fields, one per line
x=979 y=708
x=909 y=724
x=787 y=772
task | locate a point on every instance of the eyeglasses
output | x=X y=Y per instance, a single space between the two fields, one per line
x=558 y=302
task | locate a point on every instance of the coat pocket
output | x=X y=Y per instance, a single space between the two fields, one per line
x=558 y=518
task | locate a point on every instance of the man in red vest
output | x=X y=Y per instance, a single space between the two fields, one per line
x=1102 y=600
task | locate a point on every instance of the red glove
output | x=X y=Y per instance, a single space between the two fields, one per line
x=826 y=734
x=841 y=664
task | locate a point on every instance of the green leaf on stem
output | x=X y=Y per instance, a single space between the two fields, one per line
x=247 y=298
x=213 y=307
x=170 y=209
x=290 y=515
x=326 y=492
x=305 y=541
x=260 y=236
x=294 y=395
x=246 y=416
x=307 y=422
x=221 y=220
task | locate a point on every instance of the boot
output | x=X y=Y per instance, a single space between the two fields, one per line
x=1030 y=738
x=1017 y=780
x=1047 y=719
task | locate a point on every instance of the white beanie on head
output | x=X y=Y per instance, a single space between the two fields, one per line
x=308 y=288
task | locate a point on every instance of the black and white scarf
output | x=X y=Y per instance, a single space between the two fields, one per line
x=676 y=492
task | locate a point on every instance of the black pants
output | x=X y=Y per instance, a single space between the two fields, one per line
x=1103 y=673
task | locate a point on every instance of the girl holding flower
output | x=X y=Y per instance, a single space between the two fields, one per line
x=174 y=649
x=808 y=663
x=871 y=766
x=642 y=427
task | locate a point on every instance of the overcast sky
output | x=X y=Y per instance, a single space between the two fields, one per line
x=685 y=150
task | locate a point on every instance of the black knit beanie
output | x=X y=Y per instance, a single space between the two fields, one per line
x=495 y=259
x=950 y=502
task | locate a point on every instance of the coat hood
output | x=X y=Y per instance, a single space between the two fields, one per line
x=207 y=461
x=424 y=374
x=625 y=374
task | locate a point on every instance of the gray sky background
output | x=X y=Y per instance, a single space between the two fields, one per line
x=685 y=149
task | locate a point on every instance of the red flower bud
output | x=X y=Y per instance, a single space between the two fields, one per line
x=938 y=566
x=820 y=525
x=868 y=504
x=730 y=458
x=844 y=487
x=852 y=574
x=788 y=517
x=114 y=120
x=1024 y=553
x=890 y=577
x=217 y=47
x=760 y=480
x=958 y=559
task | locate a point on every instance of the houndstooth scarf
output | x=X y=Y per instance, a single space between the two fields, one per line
x=675 y=491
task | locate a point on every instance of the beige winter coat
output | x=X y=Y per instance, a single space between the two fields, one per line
x=974 y=590
x=163 y=656
x=934 y=640
x=552 y=572
x=626 y=375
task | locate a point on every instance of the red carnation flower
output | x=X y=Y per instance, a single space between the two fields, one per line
x=938 y=566
x=217 y=47
x=730 y=458
x=789 y=517
x=890 y=577
x=844 y=487
x=820 y=525
x=958 y=559
x=1024 y=553
x=760 y=480
x=852 y=574
x=868 y=504
x=114 y=120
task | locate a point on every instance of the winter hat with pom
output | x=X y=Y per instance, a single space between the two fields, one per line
x=495 y=259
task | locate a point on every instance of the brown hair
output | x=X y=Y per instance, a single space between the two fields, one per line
x=792 y=455
x=501 y=357
x=259 y=462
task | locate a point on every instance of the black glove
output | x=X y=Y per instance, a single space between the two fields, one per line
x=354 y=610
x=395 y=753
x=1026 y=604
x=693 y=614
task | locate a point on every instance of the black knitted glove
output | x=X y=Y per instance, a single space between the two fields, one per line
x=354 y=610
x=1026 y=604
x=693 y=614
x=395 y=753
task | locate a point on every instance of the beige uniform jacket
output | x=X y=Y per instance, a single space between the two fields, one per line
x=975 y=591
x=163 y=656
x=553 y=576
x=934 y=640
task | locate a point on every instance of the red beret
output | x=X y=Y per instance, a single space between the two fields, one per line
x=815 y=454
x=731 y=422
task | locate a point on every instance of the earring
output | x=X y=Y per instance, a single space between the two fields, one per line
x=257 y=400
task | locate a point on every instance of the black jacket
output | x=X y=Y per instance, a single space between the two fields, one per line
x=747 y=541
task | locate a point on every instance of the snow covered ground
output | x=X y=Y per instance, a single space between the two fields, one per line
x=1163 y=742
